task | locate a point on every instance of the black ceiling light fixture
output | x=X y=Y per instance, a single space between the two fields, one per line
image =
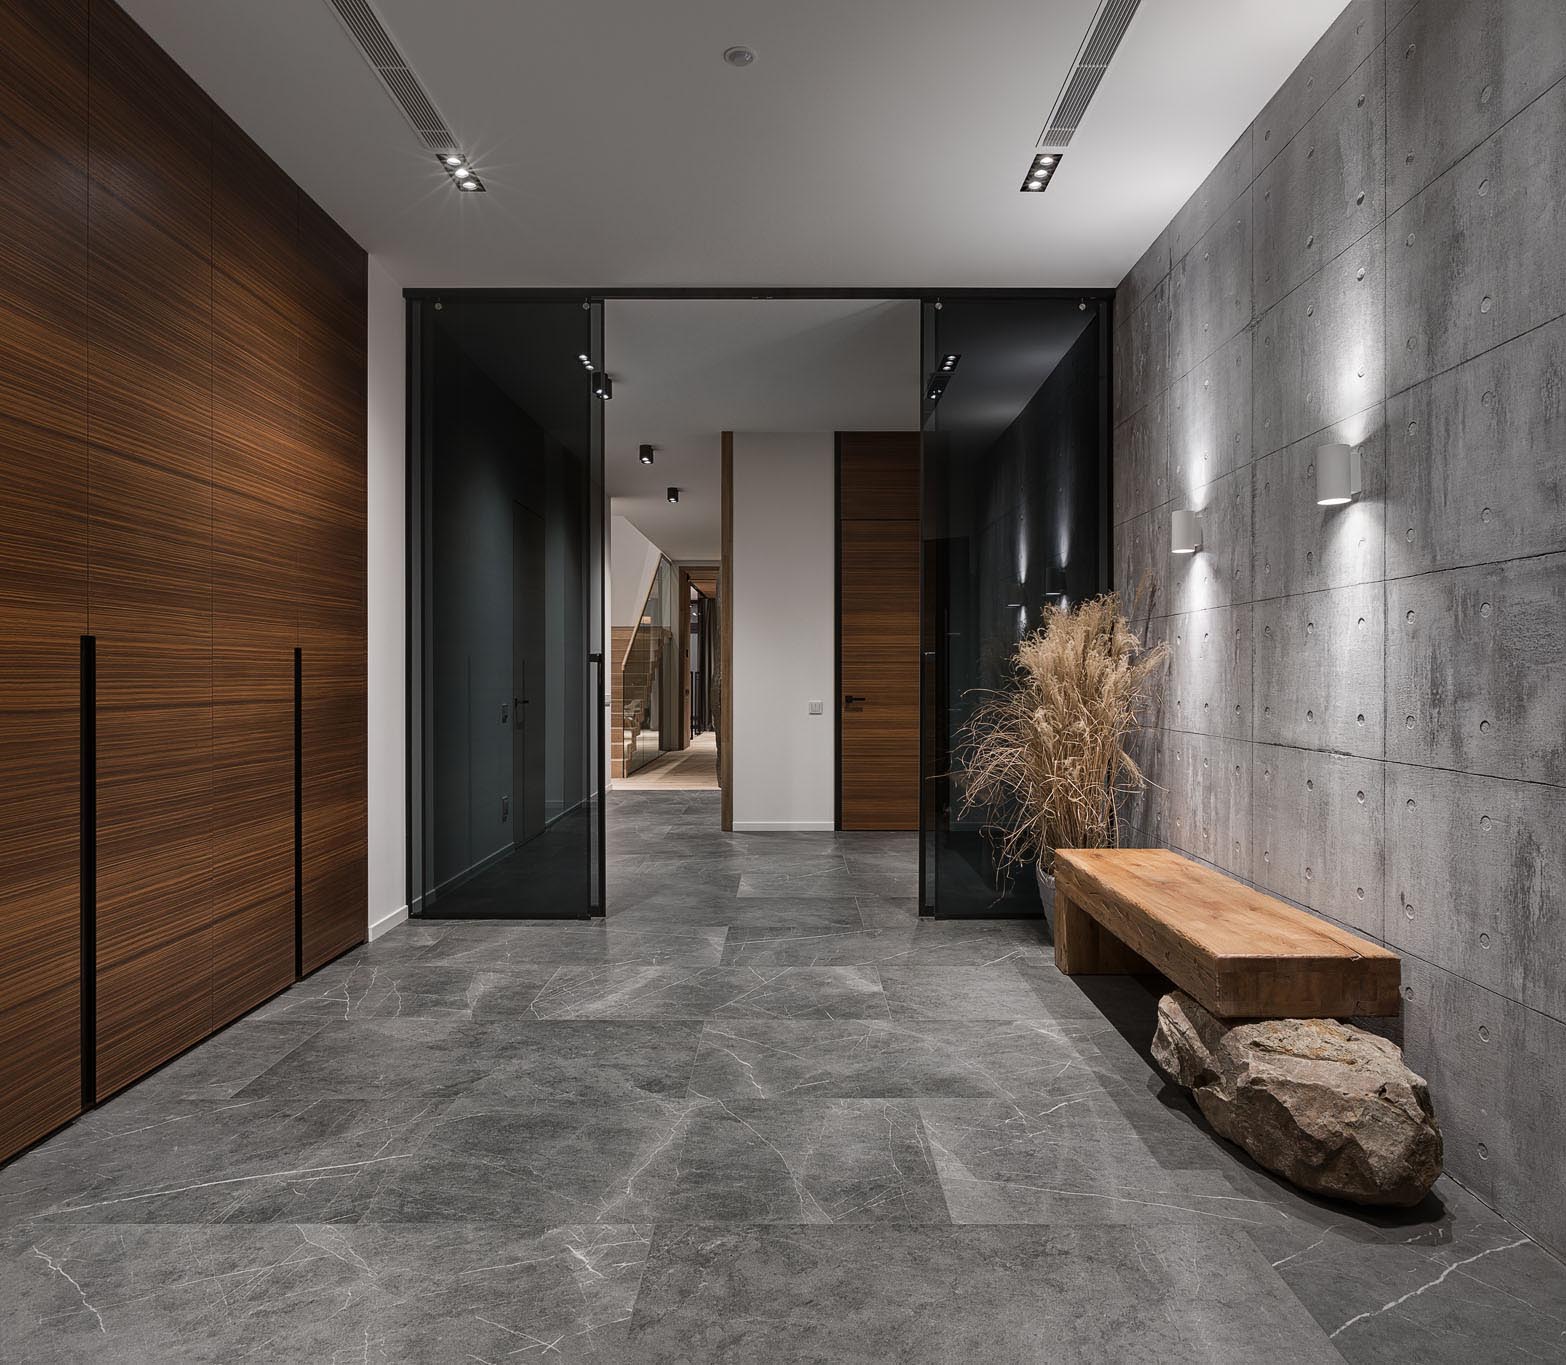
x=949 y=362
x=461 y=171
x=603 y=386
x=1042 y=172
x=645 y=454
x=673 y=494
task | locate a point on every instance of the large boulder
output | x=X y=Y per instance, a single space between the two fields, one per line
x=1326 y=1105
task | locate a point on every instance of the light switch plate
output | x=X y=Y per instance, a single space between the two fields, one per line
x=818 y=708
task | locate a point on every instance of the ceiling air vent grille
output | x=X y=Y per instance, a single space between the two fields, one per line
x=1093 y=58
x=400 y=82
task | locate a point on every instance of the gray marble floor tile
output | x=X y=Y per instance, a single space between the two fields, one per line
x=416 y=989
x=889 y=912
x=377 y=1293
x=600 y=1060
x=671 y=907
x=375 y=1058
x=249 y=1161
x=690 y=1160
x=922 y=943
x=990 y=992
x=826 y=878
x=624 y=991
x=903 y=1060
x=584 y=941
x=934 y=1296
x=1446 y=1282
x=1070 y=1159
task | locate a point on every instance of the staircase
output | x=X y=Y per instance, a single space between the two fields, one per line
x=637 y=655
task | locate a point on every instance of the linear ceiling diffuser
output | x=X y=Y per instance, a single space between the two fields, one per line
x=1093 y=57
x=400 y=82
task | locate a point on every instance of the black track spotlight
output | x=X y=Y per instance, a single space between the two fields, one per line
x=645 y=454
x=673 y=494
x=603 y=386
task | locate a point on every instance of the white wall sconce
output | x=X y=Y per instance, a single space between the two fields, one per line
x=1185 y=532
x=1339 y=475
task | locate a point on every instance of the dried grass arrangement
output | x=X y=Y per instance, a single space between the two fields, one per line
x=1044 y=761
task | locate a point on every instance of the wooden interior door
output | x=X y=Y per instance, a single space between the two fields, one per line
x=150 y=604
x=334 y=853
x=256 y=467
x=43 y=559
x=878 y=630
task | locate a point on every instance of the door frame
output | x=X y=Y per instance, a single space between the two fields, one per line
x=418 y=757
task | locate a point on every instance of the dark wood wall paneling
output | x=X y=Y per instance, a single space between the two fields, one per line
x=878 y=629
x=43 y=557
x=185 y=482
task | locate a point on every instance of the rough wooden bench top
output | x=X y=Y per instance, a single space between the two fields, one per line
x=1241 y=953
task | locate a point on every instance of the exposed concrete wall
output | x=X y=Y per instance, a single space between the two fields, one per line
x=1366 y=712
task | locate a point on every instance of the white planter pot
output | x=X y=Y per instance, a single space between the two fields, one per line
x=1046 y=881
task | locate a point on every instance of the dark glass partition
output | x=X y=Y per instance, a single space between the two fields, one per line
x=1015 y=498
x=507 y=563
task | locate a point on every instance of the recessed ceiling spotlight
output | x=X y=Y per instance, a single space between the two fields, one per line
x=1039 y=175
x=738 y=56
x=463 y=176
x=470 y=183
x=949 y=362
x=645 y=454
x=453 y=159
x=673 y=494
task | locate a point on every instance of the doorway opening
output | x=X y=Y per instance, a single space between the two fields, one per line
x=758 y=555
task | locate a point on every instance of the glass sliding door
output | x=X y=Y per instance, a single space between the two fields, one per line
x=1015 y=469
x=507 y=562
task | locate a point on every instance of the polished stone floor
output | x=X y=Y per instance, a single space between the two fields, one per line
x=763 y=1114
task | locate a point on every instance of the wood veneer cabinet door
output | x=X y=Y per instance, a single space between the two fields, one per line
x=878 y=631
x=43 y=558
x=150 y=529
x=334 y=798
x=256 y=468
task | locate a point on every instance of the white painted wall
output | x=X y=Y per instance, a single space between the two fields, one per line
x=633 y=559
x=386 y=591
x=784 y=590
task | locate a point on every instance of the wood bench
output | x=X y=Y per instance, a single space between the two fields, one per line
x=1240 y=953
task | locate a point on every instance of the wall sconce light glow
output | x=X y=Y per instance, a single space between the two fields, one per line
x=1339 y=474
x=1185 y=532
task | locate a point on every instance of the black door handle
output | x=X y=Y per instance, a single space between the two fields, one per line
x=849 y=699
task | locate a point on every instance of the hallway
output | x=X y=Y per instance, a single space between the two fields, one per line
x=693 y=768
x=764 y=1114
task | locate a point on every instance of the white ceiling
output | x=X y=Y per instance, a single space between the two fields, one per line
x=686 y=369
x=878 y=143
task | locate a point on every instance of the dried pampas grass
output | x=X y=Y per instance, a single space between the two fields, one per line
x=1044 y=761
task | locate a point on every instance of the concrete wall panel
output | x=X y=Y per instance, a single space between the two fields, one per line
x=1318 y=355
x=1352 y=37
x=1477 y=459
x=1301 y=547
x=1209 y=687
x=1210 y=289
x=1479 y=256
x=1318 y=670
x=1142 y=459
x=1141 y=354
x=1456 y=71
x=1224 y=184
x=1476 y=669
x=1221 y=572
x=1324 y=191
x=1210 y=418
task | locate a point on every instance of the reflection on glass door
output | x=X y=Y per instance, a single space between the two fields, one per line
x=508 y=642
x=1015 y=460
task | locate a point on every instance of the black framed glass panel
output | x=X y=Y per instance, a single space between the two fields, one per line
x=1015 y=484
x=508 y=580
